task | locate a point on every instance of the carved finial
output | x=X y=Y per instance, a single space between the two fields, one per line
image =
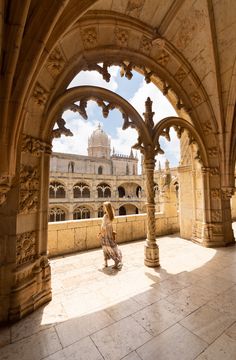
x=131 y=155
x=167 y=164
x=148 y=114
x=61 y=130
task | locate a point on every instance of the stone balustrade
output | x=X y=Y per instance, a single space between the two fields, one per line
x=79 y=235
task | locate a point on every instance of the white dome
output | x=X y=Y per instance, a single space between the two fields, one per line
x=99 y=138
x=99 y=144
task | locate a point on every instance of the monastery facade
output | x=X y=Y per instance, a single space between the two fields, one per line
x=80 y=184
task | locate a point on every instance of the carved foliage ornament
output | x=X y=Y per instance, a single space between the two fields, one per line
x=5 y=186
x=35 y=146
x=61 y=130
x=196 y=98
x=216 y=216
x=216 y=193
x=213 y=151
x=224 y=194
x=180 y=74
x=227 y=193
x=163 y=58
x=145 y=45
x=89 y=37
x=121 y=36
x=211 y=170
x=126 y=68
x=134 y=7
x=29 y=189
x=25 y=247
x=55 y=62
x=40 y=95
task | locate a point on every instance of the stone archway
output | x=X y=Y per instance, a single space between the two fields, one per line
x=33 y=93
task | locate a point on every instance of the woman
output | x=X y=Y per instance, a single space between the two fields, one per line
x=107 y=237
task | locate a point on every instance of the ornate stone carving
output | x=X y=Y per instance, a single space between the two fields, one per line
x=121 y=36
x=126 y=69
x=147 y=75
x=160 y=42
x=207 y=128
x=211 y=170
x=217 y=229
x=212 y=152
x=29 y=189
x=105 y=107
x=189 y=27
x=103 y=70
x=55 y=62
x=62 y=130
x=216 y=216
x=81 y=108
x=25 y=247
x=145 y=45
x=179 y=131
x=163 y=58
x=214 y=171
x=35 y=146
x=216 y=194
x=89 y=37
x=134 y=7
x=227 y=193
x=180 y=75
x=40 y=95
x=165 y=88
x=196 y=98
x=5 y=186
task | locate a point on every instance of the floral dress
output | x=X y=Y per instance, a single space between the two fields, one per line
x=109 y=246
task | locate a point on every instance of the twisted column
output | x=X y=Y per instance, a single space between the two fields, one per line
x=151 y=250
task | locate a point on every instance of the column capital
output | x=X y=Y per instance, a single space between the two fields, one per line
x=35 y=146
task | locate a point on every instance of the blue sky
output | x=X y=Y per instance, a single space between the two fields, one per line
x=136 y=92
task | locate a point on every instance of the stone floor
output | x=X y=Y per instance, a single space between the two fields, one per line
x=186 y=309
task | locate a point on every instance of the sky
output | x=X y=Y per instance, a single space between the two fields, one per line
x=135 y=91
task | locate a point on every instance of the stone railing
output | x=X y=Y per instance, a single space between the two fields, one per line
x=78 y=235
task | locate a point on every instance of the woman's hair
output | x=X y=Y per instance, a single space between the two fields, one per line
x=109 y=210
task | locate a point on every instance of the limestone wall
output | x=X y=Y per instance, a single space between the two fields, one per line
x=77 y=235
x=233 y=207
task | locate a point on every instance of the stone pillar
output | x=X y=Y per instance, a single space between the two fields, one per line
x=151 y=250
x=27 y=276
x=70 y=215
x=215 y=227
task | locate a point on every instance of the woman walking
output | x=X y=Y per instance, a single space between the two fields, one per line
x=107 y=237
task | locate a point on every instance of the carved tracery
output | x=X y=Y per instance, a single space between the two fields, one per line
x=29 y=189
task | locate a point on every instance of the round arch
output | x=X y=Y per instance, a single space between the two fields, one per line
x=97 y=94
x=179 y=124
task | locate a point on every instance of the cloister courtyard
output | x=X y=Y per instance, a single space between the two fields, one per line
x=185 y=309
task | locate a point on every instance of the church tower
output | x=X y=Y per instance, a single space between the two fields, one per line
x=99 y=144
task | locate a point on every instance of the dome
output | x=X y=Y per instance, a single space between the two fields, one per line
x=99 y=144
x=99 y=138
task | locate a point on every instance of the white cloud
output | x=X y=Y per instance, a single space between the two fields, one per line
x=95 y=79
x=161 y=105
x=123 y=140
x=78 y=143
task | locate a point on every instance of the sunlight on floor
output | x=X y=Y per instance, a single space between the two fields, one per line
x=81 y=285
